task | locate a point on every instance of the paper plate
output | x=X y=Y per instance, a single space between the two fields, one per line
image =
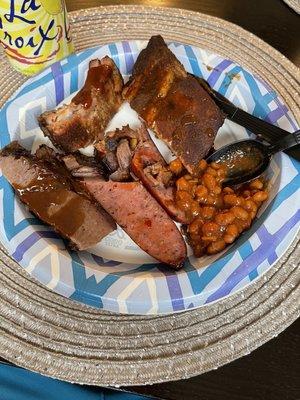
x=65 y=339
x=116 y=275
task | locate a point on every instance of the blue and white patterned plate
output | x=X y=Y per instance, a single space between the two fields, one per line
x=116 y=275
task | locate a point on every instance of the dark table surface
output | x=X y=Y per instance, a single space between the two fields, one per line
x=271 y=20
x=272 y=371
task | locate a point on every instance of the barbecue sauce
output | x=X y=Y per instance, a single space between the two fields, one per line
x=53 y=201
x=96 y=78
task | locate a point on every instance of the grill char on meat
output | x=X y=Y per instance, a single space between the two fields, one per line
x=83 y=121
x=173 y=103
x=44 y=184
x=116 y=151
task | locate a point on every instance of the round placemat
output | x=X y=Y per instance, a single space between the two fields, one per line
x=294 y=4
x=52 y=335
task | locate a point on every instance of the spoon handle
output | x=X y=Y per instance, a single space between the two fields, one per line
x=291 y=140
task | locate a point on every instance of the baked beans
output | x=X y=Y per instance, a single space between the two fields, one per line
x=217 y=215
x=176 y=166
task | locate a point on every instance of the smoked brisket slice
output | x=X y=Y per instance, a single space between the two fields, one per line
x=46 y=187
x=83 y=121
x=173 y=103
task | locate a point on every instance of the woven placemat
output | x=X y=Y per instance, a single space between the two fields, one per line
x=294 y=4
x=52 y=335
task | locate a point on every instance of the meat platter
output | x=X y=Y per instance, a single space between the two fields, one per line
x=121 y=160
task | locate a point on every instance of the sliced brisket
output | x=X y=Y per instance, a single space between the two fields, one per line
x=45 y=186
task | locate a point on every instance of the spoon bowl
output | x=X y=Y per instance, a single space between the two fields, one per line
x=248 y=159
x=245 y=160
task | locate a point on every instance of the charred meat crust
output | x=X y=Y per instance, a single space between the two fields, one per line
x=116 y=151
x=75 y=135
x=188 y=121
x=149 y=71
x=173 y=103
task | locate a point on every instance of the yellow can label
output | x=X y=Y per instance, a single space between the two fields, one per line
x=34 y=33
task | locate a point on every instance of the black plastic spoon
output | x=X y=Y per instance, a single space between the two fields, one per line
x=248 y=159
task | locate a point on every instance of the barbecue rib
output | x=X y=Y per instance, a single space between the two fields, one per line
x=83 y=121
x=46 y=186
x=173 y=103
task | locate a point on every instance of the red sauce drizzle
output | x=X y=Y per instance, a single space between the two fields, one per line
x=96 y=78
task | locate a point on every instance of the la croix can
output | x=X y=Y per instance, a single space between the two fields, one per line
x=34 y=33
